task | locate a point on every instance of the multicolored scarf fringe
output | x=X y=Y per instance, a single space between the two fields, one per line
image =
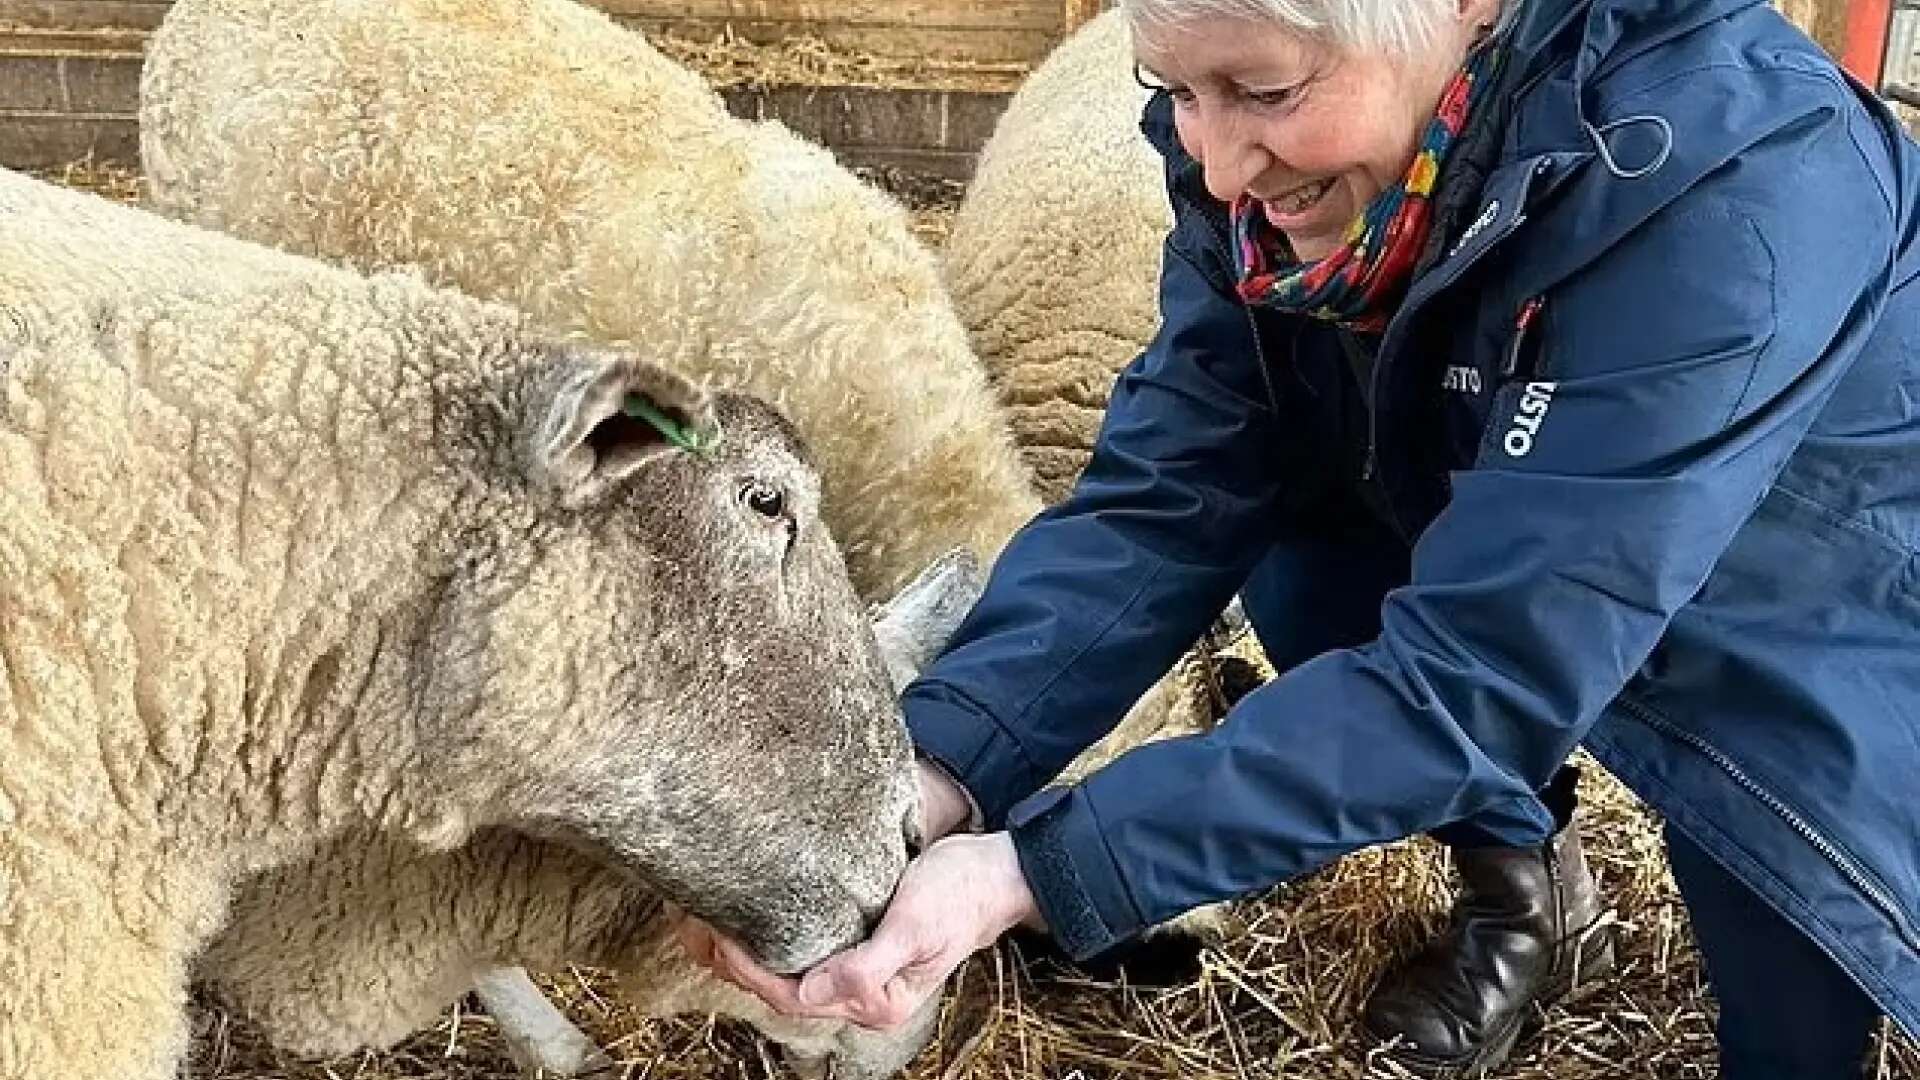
x=1358 y=284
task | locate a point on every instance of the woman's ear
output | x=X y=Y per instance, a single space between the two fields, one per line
x=1482 y=16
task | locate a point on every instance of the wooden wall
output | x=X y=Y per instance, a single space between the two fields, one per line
x=69 y=70
x=970 y=31
x=70 y=78
x=84 y=14
x=1825 y=21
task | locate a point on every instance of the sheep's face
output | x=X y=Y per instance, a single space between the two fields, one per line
x=674 y=673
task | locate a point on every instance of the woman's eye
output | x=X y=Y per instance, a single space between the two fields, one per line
x=1270 y=97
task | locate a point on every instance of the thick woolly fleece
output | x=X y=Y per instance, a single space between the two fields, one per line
x=282 y=558
x=1054 y=260
x=533 y=151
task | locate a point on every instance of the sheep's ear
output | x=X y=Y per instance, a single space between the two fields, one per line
x=609 y=415
x=913 y=627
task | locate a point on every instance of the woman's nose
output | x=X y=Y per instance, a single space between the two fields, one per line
x=1229 y=158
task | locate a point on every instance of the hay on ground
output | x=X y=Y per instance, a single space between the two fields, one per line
x=729 y=60
x=119 y=182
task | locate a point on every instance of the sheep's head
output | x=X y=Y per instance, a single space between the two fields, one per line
x=661 y=660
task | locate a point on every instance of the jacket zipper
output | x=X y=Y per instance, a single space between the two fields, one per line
x=1522 y=323
x=1350 y=346
x=1260 y=360
x=1841 y=860
x=1219 y=219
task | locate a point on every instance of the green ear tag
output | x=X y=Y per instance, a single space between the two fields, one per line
x=686 y=438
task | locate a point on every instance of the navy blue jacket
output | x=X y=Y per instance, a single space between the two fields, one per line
x=1673 y=515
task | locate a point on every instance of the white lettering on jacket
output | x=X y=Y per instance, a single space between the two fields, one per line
x=1534 y=402
x=1489 y=214
x=1462 y=377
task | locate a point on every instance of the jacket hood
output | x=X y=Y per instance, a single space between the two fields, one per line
x=1611 y=32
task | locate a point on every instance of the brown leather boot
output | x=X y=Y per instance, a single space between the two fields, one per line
x=1527 y=929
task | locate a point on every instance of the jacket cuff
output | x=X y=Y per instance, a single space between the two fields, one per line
x=1075 y=882
x=972 y=747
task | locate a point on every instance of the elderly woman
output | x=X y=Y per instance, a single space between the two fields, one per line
x=1543 y=375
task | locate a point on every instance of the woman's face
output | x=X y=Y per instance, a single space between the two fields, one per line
x=1312 y=132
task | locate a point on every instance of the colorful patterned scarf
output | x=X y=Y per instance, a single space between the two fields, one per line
x=1358 y=284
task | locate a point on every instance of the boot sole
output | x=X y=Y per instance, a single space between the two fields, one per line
x=1598 y=959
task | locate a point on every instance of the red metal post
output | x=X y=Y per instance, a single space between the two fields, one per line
x=1864 y=50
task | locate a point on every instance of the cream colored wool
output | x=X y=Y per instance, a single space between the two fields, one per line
x=1054 y=259
x=124 y=818
x=534 y=152
x=272 y=572
x=370 y=940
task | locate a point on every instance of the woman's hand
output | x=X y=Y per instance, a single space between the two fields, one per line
x=957 y=898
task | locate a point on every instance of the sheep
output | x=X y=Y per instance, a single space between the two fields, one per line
x=534 y=152
x=1054 y=258
x=289 y=554
x=370 y=939
x=329 y=971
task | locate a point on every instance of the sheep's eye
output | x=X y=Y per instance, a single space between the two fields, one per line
x=764 y=499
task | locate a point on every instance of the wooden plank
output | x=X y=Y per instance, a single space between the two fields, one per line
x=935 y=46
x=1016 y=31
x=32 y=83
x=102 y=84
x=84 y=14
x=1902 y=72
x=1825 y=21
x=69 y=82
x=847 y=118
x=926 y=14
x=955 y=165
x=1078 y=13
x=47 y=140
x=120 y=43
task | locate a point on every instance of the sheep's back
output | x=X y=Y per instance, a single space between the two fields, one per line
x=1054 y=257
x=532 y=151
x=188 y=522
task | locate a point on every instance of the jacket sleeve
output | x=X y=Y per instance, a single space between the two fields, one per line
x=1096 y=598
x=1537 y=592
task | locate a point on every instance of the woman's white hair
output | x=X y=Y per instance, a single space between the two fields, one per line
x=1399 y=26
